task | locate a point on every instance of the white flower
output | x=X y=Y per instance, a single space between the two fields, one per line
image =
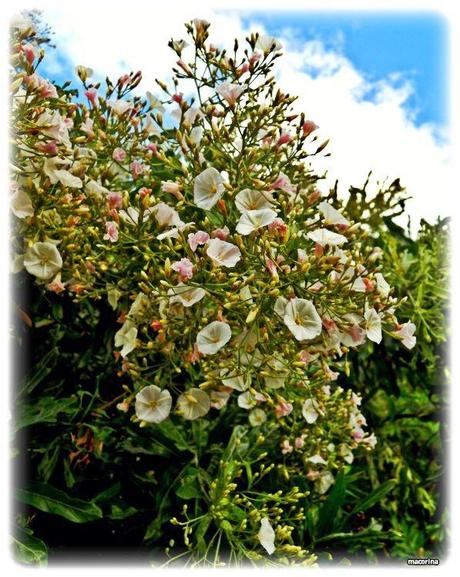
x=246 y=400
x=42 y=260
x=267 y=536
x=373 y=325
x=323 y=236
x=139 y=308
x=126 y=337
x=254 y=219
x=185 y=295
x=383 y=288
x=166 y=215
x=213 y=337
x=309 y=411
x=230 y=92
x=323 y=483
x=280 y=306
x=21 y=205
x=277 y=373
x=120 y=107
x=257 y=417
x=155 y=103
x=331 y=215
x=55 y=174
x=152 y=404
x=93 y=187
x=208 y=188
x=193 y=404
x=235 y=380
x=267 y=43
x=405 y=333
x=196 y=134
x=302 y=319
x=317 y=460
x=249 y=199
x=223 y=253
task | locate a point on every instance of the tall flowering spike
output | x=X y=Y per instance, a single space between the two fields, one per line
x=208 y=188
x=331 y=215
x=42 y=260
x=267 y=536
x=302 y=319
x=254 y=219
x=153 y=405
x=223 y=253
x=193 y=404
x=213 y=337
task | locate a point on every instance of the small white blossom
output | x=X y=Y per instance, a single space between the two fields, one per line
x=267 y=536
x=213 y=337
x=373 y=325
x=246 y=400
x=324 y=482
x=126 y=337
x=309 y=411
x=152 y=404
x=267 y=43
x=406 y=334
x=193 y=404
x=186 y=295
x=230 y=92
x=21 y=205
x=257 y=417
x=42 y=260
x=254 y=219
x=208 y=188
x=249 y=199
x=302 y=319
x=323 y=236
x=235 y=380
x=223 y=253
x=383 y=288
x=331 y=215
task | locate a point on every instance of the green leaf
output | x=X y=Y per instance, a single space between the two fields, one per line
x=108 y=494
x=328 y=512
x=28 y=549
x=189 y=487
x=46 y=410
x=374 y=497
x=121 y=511
x=51 y=500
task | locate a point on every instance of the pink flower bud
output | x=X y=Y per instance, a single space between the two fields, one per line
x=48 y=147
x=221 y=233
x=279 y=226
x=115 y=199
x=283 y=139
x=286 y=447
x=30 y=52
x=283 y=409
x=308 y=127
x=119 y=155
x=91 y=95
x=177 y=98
x=111 y=228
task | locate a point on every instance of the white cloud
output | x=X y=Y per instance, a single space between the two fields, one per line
x=378 y=134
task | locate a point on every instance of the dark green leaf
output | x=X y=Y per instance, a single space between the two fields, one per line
x=28 y=549
x=51 y=500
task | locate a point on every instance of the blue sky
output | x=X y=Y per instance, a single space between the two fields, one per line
x=379 y=44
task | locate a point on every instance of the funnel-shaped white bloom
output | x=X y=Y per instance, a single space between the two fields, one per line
x=126 y=337
x=42 y=260
x=373 y=325
x=230 y=92
x=267 y=536
x=254 y=219
x=309 y=412
x=152 y=404
x=223 y=253
x=323 y=236
x=21 y=205
x=208 y=188
x=249 y=199
x=193 y=404
x=302 y=319
x=185 y=295
x=166 y=215
x=213 y=337
x=237 y=380
x=267 y=43
x=406 y=334
x=383 y=288
x=331 y=215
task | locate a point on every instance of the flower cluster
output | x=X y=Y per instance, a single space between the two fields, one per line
x=196 y=217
